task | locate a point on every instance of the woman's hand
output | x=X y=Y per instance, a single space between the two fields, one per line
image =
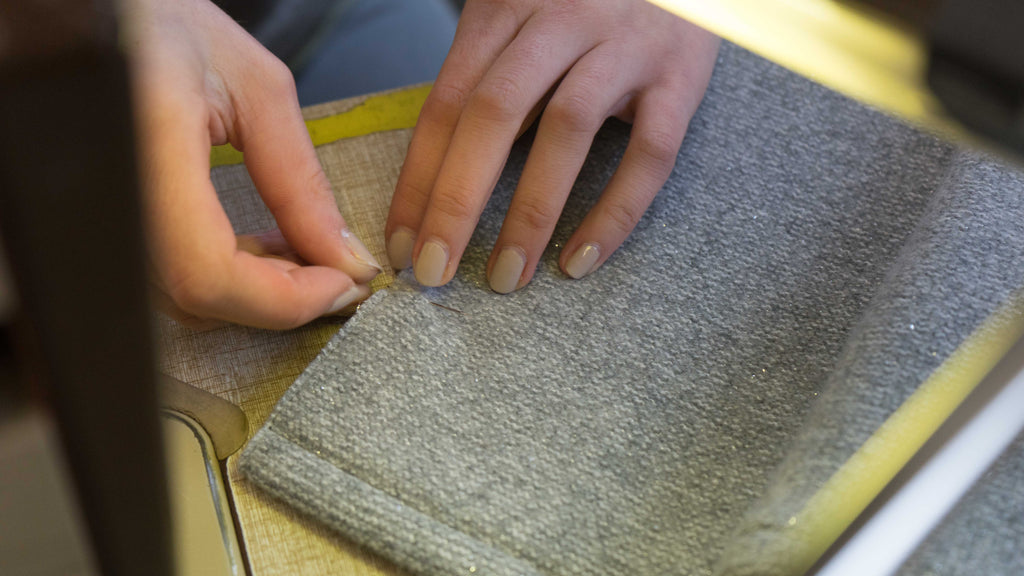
x=587 y=61
x=201 y=80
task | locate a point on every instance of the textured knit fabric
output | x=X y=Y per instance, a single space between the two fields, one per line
x=962 y=260
x=807 y=265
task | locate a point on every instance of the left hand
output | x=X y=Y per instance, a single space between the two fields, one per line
x=200 y=79
x=622 y=58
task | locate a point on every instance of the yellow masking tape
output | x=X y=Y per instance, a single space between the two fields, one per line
x=861 y=478
x=392 y=111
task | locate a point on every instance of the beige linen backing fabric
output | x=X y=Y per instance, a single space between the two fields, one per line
x=252 y=368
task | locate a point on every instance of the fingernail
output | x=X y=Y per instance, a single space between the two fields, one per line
x=507 y=270
x=359 y=250
x=354 y=294
x=583 y=260
x=432 y=262
x=400 y=248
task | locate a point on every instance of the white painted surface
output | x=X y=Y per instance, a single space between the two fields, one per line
x=892 y=534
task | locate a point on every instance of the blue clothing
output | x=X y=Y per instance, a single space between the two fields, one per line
x=342 y=48
x=373 y=45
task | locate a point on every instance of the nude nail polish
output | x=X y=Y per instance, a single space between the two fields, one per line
x=507 y=269
x=400 y=246
x=359 y=250
x=583 y=260
x=431 y=264
x=354 y=294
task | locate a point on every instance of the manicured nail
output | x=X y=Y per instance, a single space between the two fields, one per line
x=507 y=270
x=357 y=293
x=432 y=262
x=583 y=260
x=400 y=248
x=359 y=250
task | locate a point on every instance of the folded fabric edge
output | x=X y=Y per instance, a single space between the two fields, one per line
x=794 y=549
x=366 y=515
x=369 y=517
x=362 y=311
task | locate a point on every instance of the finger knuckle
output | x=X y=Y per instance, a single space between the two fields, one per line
x=316 y=180
x=495 y=11
x=573 y=113
x=675 y=82
x=412 y=191
x=624 y=215
x=657 y=148
x=456 y=207
x=572 y=12
x=534 y=214
x=279 y=78
x=309 y=182
x=447 y=99
x=500 y=99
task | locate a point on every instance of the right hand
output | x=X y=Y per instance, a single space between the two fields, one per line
x=582 y=62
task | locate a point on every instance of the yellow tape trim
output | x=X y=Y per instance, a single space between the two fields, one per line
x=852 y=488
x=392 y=111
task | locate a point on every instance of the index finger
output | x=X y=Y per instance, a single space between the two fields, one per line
x=484 y=30
x=287 y=173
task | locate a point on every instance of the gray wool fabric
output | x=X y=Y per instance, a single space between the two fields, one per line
x=807 y=265
x=961 y=261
